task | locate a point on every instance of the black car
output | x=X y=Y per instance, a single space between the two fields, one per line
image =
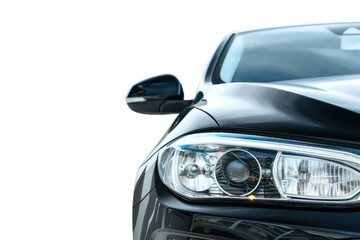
x=269 y=148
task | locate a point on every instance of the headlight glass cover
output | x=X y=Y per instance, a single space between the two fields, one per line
x=223 y=165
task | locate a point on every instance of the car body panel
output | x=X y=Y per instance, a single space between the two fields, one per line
x=319 y=109
x=191 y=120
x=322 y=110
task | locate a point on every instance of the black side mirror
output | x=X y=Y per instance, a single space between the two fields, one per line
x=158 y=95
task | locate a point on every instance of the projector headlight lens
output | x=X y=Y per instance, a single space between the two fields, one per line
x=238 y=172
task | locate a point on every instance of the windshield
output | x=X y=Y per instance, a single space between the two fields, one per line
x=291 y=53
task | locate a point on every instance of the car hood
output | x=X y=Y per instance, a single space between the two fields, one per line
x=318 y=108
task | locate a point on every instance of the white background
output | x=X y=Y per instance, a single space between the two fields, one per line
x=69 y=146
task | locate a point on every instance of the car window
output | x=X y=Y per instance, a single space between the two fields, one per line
x=292 y=53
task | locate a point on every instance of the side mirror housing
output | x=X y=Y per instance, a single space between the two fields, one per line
x=158 y=95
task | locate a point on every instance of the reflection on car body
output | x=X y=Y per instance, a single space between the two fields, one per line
x=269 y=148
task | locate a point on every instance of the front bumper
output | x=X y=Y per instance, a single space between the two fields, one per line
x=162 y=215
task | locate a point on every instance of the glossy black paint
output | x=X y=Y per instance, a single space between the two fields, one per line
x=323 y=110
x=327 y=108
x=158 y=95
x=191 y=120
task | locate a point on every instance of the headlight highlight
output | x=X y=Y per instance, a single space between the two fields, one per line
x=219 y=165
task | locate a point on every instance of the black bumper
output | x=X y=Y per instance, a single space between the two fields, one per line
x=162 y=215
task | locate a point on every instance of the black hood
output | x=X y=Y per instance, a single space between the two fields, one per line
x=317 y=108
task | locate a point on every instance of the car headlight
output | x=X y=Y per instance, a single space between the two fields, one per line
x=221 y=165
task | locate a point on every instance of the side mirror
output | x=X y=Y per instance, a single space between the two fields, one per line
x=158 y=95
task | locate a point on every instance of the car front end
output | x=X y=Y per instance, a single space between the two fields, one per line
x=268 y=149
